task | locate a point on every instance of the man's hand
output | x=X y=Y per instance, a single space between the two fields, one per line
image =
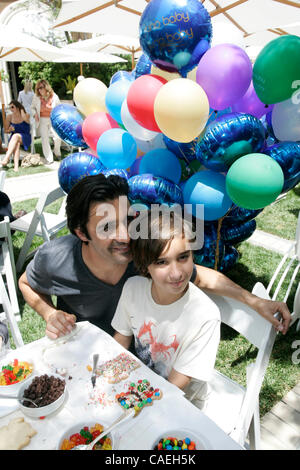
x=268 y=308
x=59 y=323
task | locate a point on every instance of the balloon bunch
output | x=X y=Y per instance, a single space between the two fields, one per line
x=193 y=124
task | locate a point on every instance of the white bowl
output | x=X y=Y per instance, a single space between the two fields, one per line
x=14 y=388
x=201 y=442
x=43 y=410
x=78 y=426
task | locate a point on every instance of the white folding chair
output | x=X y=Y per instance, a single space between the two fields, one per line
x=40 y=223
x=290 y=263
x=8 y=293
x=233 y=407
x=2 y=179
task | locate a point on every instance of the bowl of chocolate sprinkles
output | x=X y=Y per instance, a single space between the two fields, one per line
x=47 y=391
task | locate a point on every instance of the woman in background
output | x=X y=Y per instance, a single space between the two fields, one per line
x=42 y=104
x=17 y=124
x=26 y=96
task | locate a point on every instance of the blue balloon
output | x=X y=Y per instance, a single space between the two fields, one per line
x=175 y=33
x=77 y=166
x=134 y=169
x=230 y=258
x=116 y=148
x=143 y=66
x=207 y=188
x=185 y=151
x=163 y=163
x=154 y=190
x=228 y=138
x=207 y=255
x=122 y=75
x=238 y=233
x=238 y=215
x=214 y=114
x=117 y=171
x=115 y=95
x=287 y=155
x=67 y=121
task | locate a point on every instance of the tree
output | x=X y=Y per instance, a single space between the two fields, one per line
x=55 y=73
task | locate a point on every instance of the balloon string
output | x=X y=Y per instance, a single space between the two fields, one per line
x=220 y=221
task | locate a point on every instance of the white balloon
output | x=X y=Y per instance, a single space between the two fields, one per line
x=286 y=120
x=156 y=143
x=227 y=33
x=135 y=129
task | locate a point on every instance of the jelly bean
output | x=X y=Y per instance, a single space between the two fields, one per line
x=184 y=446
x=187 y=440
x=169 y=447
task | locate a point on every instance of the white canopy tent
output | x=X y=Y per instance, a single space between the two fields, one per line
x=20 y=47
x=259 y=21
x=109 y=43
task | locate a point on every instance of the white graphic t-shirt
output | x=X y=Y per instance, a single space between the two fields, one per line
x=183 y=335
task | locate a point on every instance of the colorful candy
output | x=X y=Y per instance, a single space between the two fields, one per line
x=173 y=443
x=85 y=436
x=139 y=394
x=15 y=372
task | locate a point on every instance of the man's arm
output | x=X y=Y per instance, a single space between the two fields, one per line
x=215 y=282
x=59 y=323
x=178 y=379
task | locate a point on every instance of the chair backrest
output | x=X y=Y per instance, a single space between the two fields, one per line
x=298 y=238
x=47 y=198
x=2 y=179
x=261 y=333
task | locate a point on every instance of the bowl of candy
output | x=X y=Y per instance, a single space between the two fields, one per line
x=85 y=432
x=13 y=373
x=48 y=392
x=180 y=440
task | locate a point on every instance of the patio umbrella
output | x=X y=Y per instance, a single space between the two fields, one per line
x=16 y=46
x=109 y=43
x=122 y=16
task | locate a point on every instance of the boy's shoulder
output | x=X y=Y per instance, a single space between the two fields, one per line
x=136 y=282
x=203 y=304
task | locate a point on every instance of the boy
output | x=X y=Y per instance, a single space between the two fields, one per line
x=176 y=327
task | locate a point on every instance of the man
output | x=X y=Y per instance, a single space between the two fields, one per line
x=87 y=269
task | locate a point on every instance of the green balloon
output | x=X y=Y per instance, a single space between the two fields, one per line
x=276 y=68
x=254 y=181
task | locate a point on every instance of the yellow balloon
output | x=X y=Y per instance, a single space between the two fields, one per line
x=192 y=74
x=181 y=109
x=162 y=73
x=171 y=76
x=89 y=96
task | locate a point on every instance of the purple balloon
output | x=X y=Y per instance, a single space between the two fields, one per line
x=251 y=104
x=225 y=74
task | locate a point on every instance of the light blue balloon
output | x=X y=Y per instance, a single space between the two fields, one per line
x=207 y=188
x=115 y=95
x=116 y=148
x=121 y=75
x=163 y=163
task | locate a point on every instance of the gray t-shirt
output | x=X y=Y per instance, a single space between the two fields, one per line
x=58 y=269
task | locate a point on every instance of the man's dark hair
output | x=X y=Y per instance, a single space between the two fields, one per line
x=96 y=188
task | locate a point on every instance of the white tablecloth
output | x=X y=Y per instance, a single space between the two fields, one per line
x=83 y=404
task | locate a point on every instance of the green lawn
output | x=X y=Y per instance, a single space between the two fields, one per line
x=281 y=218
x=255 y=265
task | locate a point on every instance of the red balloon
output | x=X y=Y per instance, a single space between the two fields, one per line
x=141 y=97
x=94 y=125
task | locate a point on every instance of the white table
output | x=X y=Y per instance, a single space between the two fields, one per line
x=83 y=403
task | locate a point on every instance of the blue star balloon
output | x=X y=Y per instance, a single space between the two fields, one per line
x=77 y=166
x=67 y=122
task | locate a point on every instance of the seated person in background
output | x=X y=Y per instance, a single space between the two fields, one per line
x=6 y=210
x=17 y=124
x=2 y=150
x=4 y=337
x=176 y=326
